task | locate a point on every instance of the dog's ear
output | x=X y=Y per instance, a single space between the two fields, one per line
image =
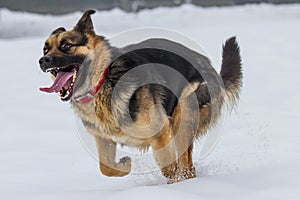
x=58 y=30
x=85 y=23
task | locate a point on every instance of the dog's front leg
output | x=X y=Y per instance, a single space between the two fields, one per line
x=107 y=154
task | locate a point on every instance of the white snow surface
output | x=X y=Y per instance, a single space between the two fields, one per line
x=257 y=157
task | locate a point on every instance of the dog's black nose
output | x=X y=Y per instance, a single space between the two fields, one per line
x=45 y=63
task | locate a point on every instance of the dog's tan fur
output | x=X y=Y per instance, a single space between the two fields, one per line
x=172 y=145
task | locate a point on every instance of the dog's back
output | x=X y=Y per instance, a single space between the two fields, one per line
x=191 y=65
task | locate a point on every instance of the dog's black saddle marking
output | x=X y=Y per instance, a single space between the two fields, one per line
x=164 y=52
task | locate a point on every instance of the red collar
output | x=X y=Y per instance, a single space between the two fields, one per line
x=90 y=95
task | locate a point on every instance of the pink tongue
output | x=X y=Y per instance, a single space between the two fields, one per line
x=60 y=80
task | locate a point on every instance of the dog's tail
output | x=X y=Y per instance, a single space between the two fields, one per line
x=231 y=71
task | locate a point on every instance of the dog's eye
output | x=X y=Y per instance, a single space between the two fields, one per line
x=65 y=46
x=45 y=50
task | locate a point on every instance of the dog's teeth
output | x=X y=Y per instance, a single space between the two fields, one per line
x=49 y=70
x=74 y=76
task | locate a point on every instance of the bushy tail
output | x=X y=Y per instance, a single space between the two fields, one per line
x=231 y=71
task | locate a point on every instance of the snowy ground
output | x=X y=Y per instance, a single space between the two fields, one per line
x=258 y=156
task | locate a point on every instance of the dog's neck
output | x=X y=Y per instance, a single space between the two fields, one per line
x=90 y=94
x=92 y=73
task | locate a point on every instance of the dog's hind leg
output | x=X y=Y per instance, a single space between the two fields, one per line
x=191 y=167
x=164 y=151
x=184 y=137
x=107 y=154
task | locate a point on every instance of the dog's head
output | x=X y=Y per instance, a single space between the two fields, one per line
x=64 y=53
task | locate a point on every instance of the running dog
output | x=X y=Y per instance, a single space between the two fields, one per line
x=126 y=96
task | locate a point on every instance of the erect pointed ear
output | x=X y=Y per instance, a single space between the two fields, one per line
x=85 y=23
x=58 y=30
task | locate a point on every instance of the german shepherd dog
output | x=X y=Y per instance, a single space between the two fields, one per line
x=89 y=72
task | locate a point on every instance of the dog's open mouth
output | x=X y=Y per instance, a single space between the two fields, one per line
x=65 y=78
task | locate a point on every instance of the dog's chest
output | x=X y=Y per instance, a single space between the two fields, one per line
x=100 y=124
x=91 y=121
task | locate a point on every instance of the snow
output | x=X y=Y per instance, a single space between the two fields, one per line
x=257 y=156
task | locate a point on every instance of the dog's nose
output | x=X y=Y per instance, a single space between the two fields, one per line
x=45 y=63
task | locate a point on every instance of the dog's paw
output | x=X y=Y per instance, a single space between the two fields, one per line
x=169 y=171
x=183 y=174
x=122 y=168
x=124 y=165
